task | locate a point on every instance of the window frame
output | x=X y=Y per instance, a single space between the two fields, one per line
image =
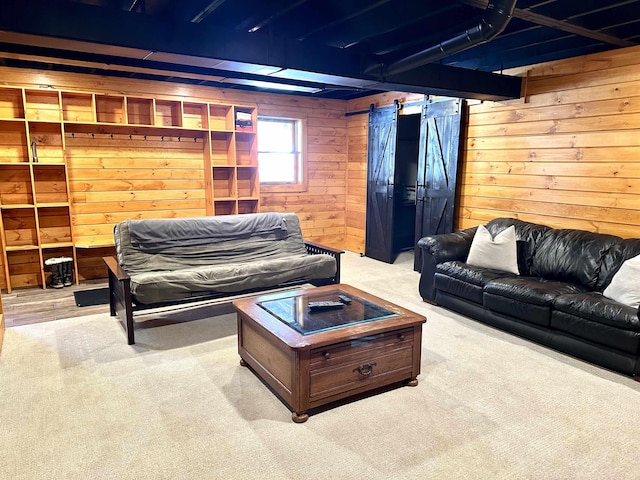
x=300 y=129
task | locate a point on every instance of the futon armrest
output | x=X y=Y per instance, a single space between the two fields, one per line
x=316 y=249
x=115 y=269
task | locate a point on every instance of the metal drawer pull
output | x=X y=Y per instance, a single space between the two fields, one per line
x=327 y=355
x=366 y=369
x=401 y=337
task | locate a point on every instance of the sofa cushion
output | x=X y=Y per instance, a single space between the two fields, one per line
x=464 y=280
x=599 y=333
x=527 y=298
x=479 y=276
x=573 y=256
x=468 y=291
x=181 y=284
x=498 y=252
x=600 y=309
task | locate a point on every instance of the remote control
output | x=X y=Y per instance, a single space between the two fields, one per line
x=344 y=299
x=324 y=305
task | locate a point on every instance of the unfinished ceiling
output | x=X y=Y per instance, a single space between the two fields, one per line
x=324 y=48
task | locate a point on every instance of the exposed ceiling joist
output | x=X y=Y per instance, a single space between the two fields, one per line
x=151 y=39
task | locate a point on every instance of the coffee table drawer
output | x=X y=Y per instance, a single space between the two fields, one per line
x=359 y=348
x=362 y=363
x=379 y=369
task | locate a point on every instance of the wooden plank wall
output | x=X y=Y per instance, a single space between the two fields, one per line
x=357 y=125
x=113 y=179
x=321 y=208
x=116 y=178
x=566 y=155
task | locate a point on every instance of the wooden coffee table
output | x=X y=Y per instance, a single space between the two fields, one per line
x=313 y=358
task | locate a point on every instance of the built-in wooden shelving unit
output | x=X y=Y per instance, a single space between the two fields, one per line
x=35 y=196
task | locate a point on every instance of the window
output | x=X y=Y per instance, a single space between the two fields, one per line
x=280 y=153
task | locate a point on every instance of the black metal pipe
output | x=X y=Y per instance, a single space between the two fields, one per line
x=491 y=24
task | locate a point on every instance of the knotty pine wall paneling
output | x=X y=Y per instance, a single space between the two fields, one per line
x=113 y=176
x=321 y=207
x=566 y=155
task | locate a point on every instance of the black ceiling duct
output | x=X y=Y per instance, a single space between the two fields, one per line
x=491 y=24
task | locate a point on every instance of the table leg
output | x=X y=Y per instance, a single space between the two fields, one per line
x=299 y=417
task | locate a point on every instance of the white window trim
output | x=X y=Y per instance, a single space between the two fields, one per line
x=301 y=184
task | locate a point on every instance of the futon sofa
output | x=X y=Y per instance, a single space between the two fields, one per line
x=555 y=298
x=169 y=261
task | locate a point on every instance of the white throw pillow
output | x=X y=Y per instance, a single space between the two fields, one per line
x=625 y=284
x=499 y=253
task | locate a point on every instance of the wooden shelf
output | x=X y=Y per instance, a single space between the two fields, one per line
x=246 y=149
x=16 y=186
x=94 y=243
x=11 y=105
x=224 y=182
x=56 y=245
x=43 y=129
x=247 y=182
x=78 y=107
x=194 y=115
x=222 y=148
x=248 y=205
x=42 y=105
x=46 y=143
x=20 y=248
x=110 y=109
x=225 y=207
x=168 y=113
x=221 y=117
x=139 y=111
x=15 y=147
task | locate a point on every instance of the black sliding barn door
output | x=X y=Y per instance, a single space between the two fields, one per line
x=383 y=129
x=437 y=169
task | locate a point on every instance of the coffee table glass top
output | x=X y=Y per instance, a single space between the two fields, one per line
x=295 y=312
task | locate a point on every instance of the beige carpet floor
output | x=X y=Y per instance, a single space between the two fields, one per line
x=76 y=402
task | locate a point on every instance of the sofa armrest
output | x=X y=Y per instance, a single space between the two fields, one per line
x=438 y=249
x=316 y=248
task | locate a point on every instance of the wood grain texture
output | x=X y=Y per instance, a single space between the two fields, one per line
x=114 y=175
x=567 y=155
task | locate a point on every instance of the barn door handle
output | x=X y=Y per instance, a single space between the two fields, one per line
x=365 y=370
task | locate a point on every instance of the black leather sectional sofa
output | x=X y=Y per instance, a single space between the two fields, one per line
x=556 y=300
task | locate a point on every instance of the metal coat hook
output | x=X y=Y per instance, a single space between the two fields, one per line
x=162 y=138
x=178 y=138
x=145 y=137
x=130 y=137
x=93 y=135
x=73 y=135
x=111 y=136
